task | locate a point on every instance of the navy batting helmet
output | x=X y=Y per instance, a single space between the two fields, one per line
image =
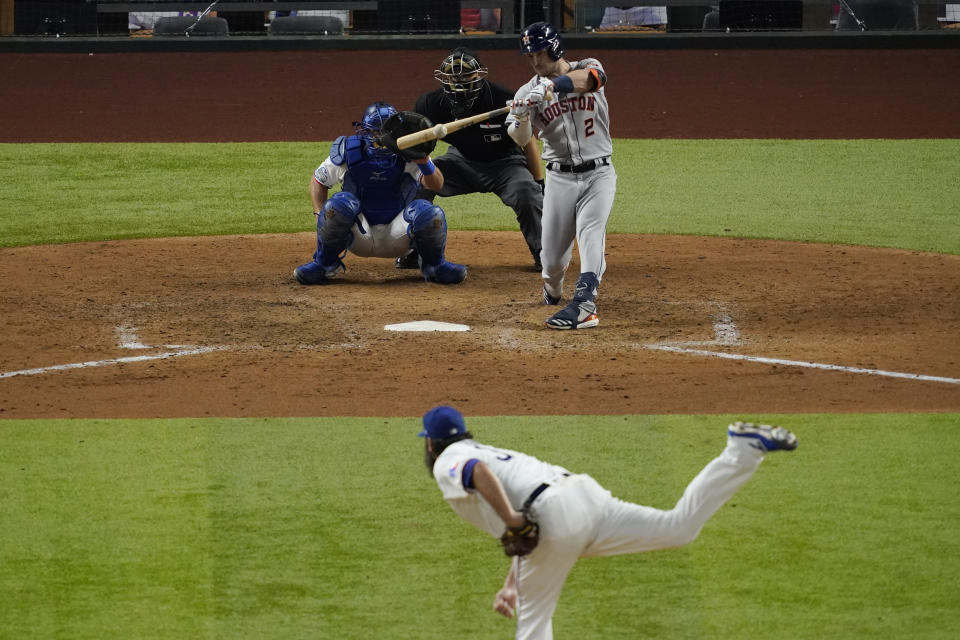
x=539 y=36
x=371 y=125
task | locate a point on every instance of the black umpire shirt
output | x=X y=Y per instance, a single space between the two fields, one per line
x=482 y=142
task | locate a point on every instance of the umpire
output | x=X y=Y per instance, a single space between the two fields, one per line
x=482 y=158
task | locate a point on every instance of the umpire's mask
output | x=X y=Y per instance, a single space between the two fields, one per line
x=462 y=78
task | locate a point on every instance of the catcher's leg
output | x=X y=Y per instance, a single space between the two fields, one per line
x=334 y=236
x=380 y=240
x=427 y=228
x=458 y=179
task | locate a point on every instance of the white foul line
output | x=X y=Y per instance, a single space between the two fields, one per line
x=100 y=363
x=127 y=337
x=800 y=363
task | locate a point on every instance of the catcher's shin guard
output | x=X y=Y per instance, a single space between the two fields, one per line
x=427 y=228
x=334 y=224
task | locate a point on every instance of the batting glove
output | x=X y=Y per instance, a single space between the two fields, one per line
x=519 y=110
x=539 y=93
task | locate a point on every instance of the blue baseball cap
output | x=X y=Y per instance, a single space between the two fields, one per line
x=442 y=422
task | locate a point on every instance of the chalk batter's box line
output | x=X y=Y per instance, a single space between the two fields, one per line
x=111 y=361
x=800 y=363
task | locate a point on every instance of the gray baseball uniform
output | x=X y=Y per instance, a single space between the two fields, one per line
x=580 y=181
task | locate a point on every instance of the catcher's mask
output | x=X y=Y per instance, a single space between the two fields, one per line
x=539 y=36
x=371 y=126
x=462 y=76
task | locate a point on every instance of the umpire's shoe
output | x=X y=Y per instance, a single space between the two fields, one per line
x=764 y=437
x=444 y=273
x=312 y=273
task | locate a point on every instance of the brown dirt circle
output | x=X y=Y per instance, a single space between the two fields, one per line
x=243 y=339
x=246 y=340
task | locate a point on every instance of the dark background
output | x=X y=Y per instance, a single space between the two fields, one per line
x=315 y=95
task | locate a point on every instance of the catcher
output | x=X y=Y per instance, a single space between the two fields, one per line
x=376 y=213
x=547 y=517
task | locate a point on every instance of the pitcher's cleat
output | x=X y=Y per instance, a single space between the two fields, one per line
x=764 y=437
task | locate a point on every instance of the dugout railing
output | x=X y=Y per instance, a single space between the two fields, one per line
x=432 y=23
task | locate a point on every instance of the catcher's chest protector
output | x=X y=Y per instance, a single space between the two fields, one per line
x=380 y=183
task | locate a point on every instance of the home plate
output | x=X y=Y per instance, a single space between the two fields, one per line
x=426 y=325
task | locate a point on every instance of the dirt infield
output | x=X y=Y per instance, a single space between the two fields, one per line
x=276 y=348
x=217 y=327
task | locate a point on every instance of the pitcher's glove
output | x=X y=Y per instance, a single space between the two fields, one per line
x=401 y=124
x=520 y=541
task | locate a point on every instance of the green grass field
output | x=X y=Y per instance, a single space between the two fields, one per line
x=885 y=193
x=331 y=528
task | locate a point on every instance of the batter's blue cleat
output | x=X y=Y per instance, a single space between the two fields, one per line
x=312 y=273
x=579 y=314
x=444 y=273
x=764 y=437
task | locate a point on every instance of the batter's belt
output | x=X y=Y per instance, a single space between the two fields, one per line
x=589 y=165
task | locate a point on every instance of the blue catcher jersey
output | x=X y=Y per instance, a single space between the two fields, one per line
x=383 y=184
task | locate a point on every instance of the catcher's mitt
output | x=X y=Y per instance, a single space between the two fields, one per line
x=519 y=541
x=401 y=124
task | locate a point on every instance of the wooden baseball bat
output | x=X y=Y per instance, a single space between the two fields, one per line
x=440 y=130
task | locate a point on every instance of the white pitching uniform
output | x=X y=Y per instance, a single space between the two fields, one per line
x=579 y=518
x=580 y=180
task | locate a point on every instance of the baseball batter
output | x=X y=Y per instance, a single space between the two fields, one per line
x=565 y=103
x=571 y=515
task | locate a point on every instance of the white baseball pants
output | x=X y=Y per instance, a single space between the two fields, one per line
x=579 y=518
x=381 y=240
